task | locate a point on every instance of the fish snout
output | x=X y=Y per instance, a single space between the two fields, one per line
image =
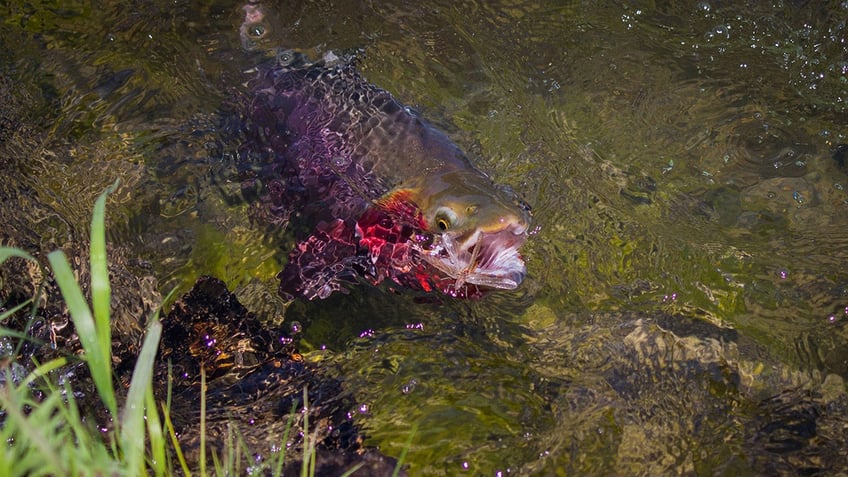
x=515 y=224
x=520 y=227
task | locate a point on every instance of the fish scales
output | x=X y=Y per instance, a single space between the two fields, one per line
x=390 y=196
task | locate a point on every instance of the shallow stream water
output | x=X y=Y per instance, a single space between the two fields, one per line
x=687 y=299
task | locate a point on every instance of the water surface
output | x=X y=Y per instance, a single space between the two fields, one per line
x=686 y=301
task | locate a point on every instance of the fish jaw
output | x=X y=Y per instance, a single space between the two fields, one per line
x=482 y=229
x=486 y=259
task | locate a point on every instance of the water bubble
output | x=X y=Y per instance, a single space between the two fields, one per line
x=669 y=298
x=285 y=58
x=256 y=30
x=296 y=327
x=798 y=197
x=340 y=162
x=722 y=30
x=409 y=386
x=703 y=7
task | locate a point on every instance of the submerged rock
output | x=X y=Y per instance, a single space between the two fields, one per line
x=256 y=384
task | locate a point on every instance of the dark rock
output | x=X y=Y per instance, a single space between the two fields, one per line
x=256 y=385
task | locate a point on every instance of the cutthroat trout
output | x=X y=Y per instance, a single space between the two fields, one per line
x=393 y=198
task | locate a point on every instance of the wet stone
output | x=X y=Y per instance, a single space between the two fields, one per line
x=791 y=198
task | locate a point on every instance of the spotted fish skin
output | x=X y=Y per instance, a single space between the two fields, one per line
x=337 y=131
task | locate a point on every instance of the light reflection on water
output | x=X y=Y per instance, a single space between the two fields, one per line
x=685 y=310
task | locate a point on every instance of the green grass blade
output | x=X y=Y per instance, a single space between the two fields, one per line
x=278 y=471
x=158 y=458
x=353 y=469
x=304 y=470
x=132 y=418
x=406 y=447
x=99 y=365
x=7 y=457
x=101 y=292
x=30 y=433
x=78 y=433
x=216 y=464
x=203 y=420
x=10 y=312
x=9 y=252
x=43 y=370
x=166 y=413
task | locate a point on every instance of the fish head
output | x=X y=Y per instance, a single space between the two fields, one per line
x=474 y=229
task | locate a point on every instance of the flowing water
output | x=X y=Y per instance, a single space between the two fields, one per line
x=687 y=299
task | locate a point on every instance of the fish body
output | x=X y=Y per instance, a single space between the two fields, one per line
x=393 y=197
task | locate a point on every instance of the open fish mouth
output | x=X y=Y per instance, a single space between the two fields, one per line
x=486 y=259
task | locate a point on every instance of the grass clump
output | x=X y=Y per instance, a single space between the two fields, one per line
x=46 y=432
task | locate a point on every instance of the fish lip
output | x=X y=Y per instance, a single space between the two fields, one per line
x=496 y=263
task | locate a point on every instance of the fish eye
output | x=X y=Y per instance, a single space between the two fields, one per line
x=445 y=218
